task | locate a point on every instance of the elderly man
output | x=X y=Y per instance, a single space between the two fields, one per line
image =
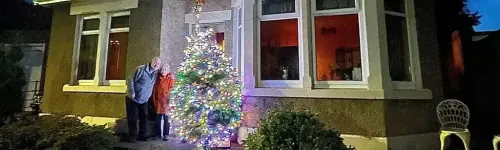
x=140 y=88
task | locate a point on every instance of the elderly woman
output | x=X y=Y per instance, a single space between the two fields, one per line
x=161 y=93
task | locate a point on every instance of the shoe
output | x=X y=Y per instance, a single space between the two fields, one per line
x=165 y=139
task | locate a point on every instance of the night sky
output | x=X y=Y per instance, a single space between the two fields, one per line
x=490 y=12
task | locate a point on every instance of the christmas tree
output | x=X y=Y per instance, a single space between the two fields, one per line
x=206 y=98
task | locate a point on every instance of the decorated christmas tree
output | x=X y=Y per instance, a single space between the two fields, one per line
x=206 y=98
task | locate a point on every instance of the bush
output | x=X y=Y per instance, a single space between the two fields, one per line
x=289 y=130
x=54 y=132
x=12 y=80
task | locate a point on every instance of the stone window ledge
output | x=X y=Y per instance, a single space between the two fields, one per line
x=118 y=89
x=412 y=94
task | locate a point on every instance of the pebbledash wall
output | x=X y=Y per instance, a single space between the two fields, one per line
x=159 y=28
x=144 y=44
x=373 y=124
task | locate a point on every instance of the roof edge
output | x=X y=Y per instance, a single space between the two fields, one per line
x=47 y=3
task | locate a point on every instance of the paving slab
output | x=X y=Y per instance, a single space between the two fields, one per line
x=155 y=145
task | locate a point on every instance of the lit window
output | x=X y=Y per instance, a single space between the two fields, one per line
x=337 y=41
x=278 y=43
x=102 y=62
x=338 y=54
x=117 y=48
x=329 y=48
x=279 y=53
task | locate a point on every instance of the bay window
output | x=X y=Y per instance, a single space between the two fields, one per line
x=360 y=49
x=100 y=50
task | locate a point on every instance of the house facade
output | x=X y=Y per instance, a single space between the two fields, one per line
x=369 y=68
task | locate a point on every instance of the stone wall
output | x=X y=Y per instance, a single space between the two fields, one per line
x=173 y=35
x=175 y=30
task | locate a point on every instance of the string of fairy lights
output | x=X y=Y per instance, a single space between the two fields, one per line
x=207 y=93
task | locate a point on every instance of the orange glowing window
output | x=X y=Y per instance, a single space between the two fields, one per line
x=279 y=50
x=337 y=46
x=117 y=48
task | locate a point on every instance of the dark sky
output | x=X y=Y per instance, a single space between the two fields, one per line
x=18 y=15
x=11 y=12
x=490 y=12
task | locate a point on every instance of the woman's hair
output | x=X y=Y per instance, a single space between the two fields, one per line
x=164 y=67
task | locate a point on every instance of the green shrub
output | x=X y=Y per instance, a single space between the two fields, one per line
x=289 y=130
x=54 y=132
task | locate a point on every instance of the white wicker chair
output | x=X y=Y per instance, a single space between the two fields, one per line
x=496 y=140
x=454 y=118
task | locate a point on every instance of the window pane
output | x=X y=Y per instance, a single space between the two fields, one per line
x=338 y=54
x=87 y=58
x=117 y=56
x=219 y=39
x=395 y=5
x=90 y=24
x=397 y=44
x=334 y=4
x=277 y=6
x=279 y=50
x=120 y=22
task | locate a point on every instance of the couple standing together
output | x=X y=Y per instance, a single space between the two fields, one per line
x=147 y=82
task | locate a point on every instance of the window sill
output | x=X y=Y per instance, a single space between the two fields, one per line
x=119 y=89
x=413 y=94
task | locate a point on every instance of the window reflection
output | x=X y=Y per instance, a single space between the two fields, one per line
x=277 y=6
x=334 y=4
x=87 y=57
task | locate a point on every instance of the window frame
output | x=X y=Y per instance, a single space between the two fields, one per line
x=109 y=31
x=413 y=50
x=103 y=32
x=276 y=17
x=78 y=39
x=358 y=10
x=238 y=36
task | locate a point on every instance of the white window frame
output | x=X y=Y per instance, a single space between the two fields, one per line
x=357 y=10
x=238 y=34
x=99 y=83
x=116 y=30
x=76 y=48
x=275 y=17
x=413 y=50
x=375 y=69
